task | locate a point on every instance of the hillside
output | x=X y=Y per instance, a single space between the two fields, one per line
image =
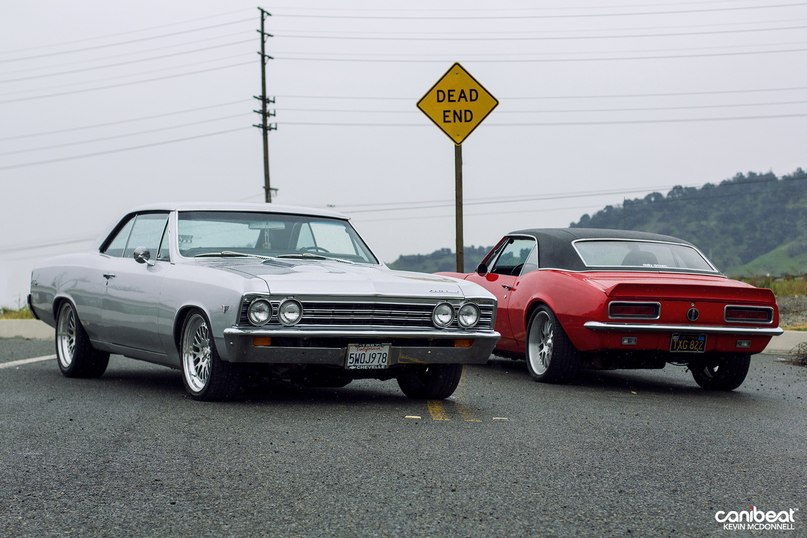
x=751 y=224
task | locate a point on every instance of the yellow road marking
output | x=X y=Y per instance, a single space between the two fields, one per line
x=466 y=413
x=436 y=410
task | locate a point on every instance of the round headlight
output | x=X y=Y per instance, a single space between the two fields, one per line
x=259 y=311
x=290 y=312
x=443 y=315
x=468 y=316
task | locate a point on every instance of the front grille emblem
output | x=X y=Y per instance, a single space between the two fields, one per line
x=692 y=314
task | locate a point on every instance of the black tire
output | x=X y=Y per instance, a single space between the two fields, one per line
x=204 y=374
x=721 y=372
x=74 y=353
x=432 y=382
x=551 y=357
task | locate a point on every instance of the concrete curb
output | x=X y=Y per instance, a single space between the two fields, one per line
x=38 y=330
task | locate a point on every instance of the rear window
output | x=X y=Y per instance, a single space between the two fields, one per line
x=642 y=255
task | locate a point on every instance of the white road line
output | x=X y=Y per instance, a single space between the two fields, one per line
x=20 y=362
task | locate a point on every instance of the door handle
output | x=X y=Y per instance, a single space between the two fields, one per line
x=109 y=275
x=508 y=288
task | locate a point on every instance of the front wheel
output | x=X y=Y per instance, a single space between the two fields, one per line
x=551 y=356
x=432 y=382
x=74 y=352
x=205 y=375
x=722 y=372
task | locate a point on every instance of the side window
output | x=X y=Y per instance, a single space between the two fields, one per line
x=116 y=246
x=516 y=253
x=147 y=232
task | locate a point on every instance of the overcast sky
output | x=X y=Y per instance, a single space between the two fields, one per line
x=108 y=105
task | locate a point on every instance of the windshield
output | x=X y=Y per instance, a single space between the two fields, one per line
x=627 y=254
x=229 y=233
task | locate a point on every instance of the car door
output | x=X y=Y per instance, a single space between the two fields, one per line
x=511 y=258
x=133 y=289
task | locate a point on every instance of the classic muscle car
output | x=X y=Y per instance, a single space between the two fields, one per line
x=215 y=289
x=608 y=299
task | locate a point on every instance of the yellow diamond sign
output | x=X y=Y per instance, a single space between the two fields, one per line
x=457 y=103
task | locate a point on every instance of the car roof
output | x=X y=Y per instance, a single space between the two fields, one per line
x=556 y=248
x=234 y=206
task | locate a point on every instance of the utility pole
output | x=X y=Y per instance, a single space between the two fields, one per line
x=265 y=126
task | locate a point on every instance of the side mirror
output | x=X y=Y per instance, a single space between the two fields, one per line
x=482 y=269
x=142 y=255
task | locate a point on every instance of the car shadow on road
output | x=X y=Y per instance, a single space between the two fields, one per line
x=669 y=380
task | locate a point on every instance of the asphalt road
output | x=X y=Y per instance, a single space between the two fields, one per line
x=643 y=453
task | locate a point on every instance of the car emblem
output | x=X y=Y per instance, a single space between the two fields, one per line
x=692 y=314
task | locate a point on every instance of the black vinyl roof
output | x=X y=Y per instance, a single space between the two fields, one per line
x=556 y=250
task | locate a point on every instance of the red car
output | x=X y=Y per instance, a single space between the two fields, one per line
x=608 y=299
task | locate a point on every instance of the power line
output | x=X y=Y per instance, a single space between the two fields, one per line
x=119 y=43
x=119 y=150
x=125 y=135
x=566 y=59
x=553 y=97
x=97 y=88
x=129 y=120
x=552 y=123
x=207 y=62
x=118 y=34
x=126 y=62
x=489 y=16
x=478 y=38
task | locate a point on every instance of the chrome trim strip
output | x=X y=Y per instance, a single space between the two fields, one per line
x=352 y=332
x=653 y=327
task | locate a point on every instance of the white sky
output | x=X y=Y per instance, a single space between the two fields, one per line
x=599 y=101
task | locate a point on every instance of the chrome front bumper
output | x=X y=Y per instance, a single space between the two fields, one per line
x=329 y=347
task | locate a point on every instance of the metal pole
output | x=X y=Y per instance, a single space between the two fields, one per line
x=458 y=207
x=264 y=113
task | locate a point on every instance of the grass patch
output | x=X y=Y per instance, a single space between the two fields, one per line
x=20 y=313
x=783 y=286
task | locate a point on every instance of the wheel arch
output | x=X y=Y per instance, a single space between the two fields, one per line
x=179 y=321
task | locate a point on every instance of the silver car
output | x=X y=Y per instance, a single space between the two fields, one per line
x=220 y=291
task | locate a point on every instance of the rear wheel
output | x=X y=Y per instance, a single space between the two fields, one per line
x=722 y=372
x=432 y=382
x=74 y=352
x=551 y=357
x=205 y=375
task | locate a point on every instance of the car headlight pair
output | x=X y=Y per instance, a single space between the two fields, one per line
x=289 y=312
x=467 y=315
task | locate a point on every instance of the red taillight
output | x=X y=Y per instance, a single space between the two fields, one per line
x=749 y=314
x=634 y=310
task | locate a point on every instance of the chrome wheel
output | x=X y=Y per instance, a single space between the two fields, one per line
x=540 y=343
x=66 y=335
x=197 y=355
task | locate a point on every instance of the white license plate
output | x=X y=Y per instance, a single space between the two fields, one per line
x=367 y=356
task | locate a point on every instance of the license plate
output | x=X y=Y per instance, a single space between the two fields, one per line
x=688 y=343
x=367 y=356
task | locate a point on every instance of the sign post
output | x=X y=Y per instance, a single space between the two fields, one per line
x=457 y=104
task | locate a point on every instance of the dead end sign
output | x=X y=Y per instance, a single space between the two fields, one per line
x=457 y=103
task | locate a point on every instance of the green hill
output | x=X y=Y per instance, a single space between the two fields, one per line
x=751 y=224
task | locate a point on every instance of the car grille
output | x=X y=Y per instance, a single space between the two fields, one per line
x=370 y=314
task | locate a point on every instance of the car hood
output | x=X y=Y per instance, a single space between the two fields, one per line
x=327 y=277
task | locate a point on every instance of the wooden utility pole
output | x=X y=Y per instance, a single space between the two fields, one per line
x=265 y=126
